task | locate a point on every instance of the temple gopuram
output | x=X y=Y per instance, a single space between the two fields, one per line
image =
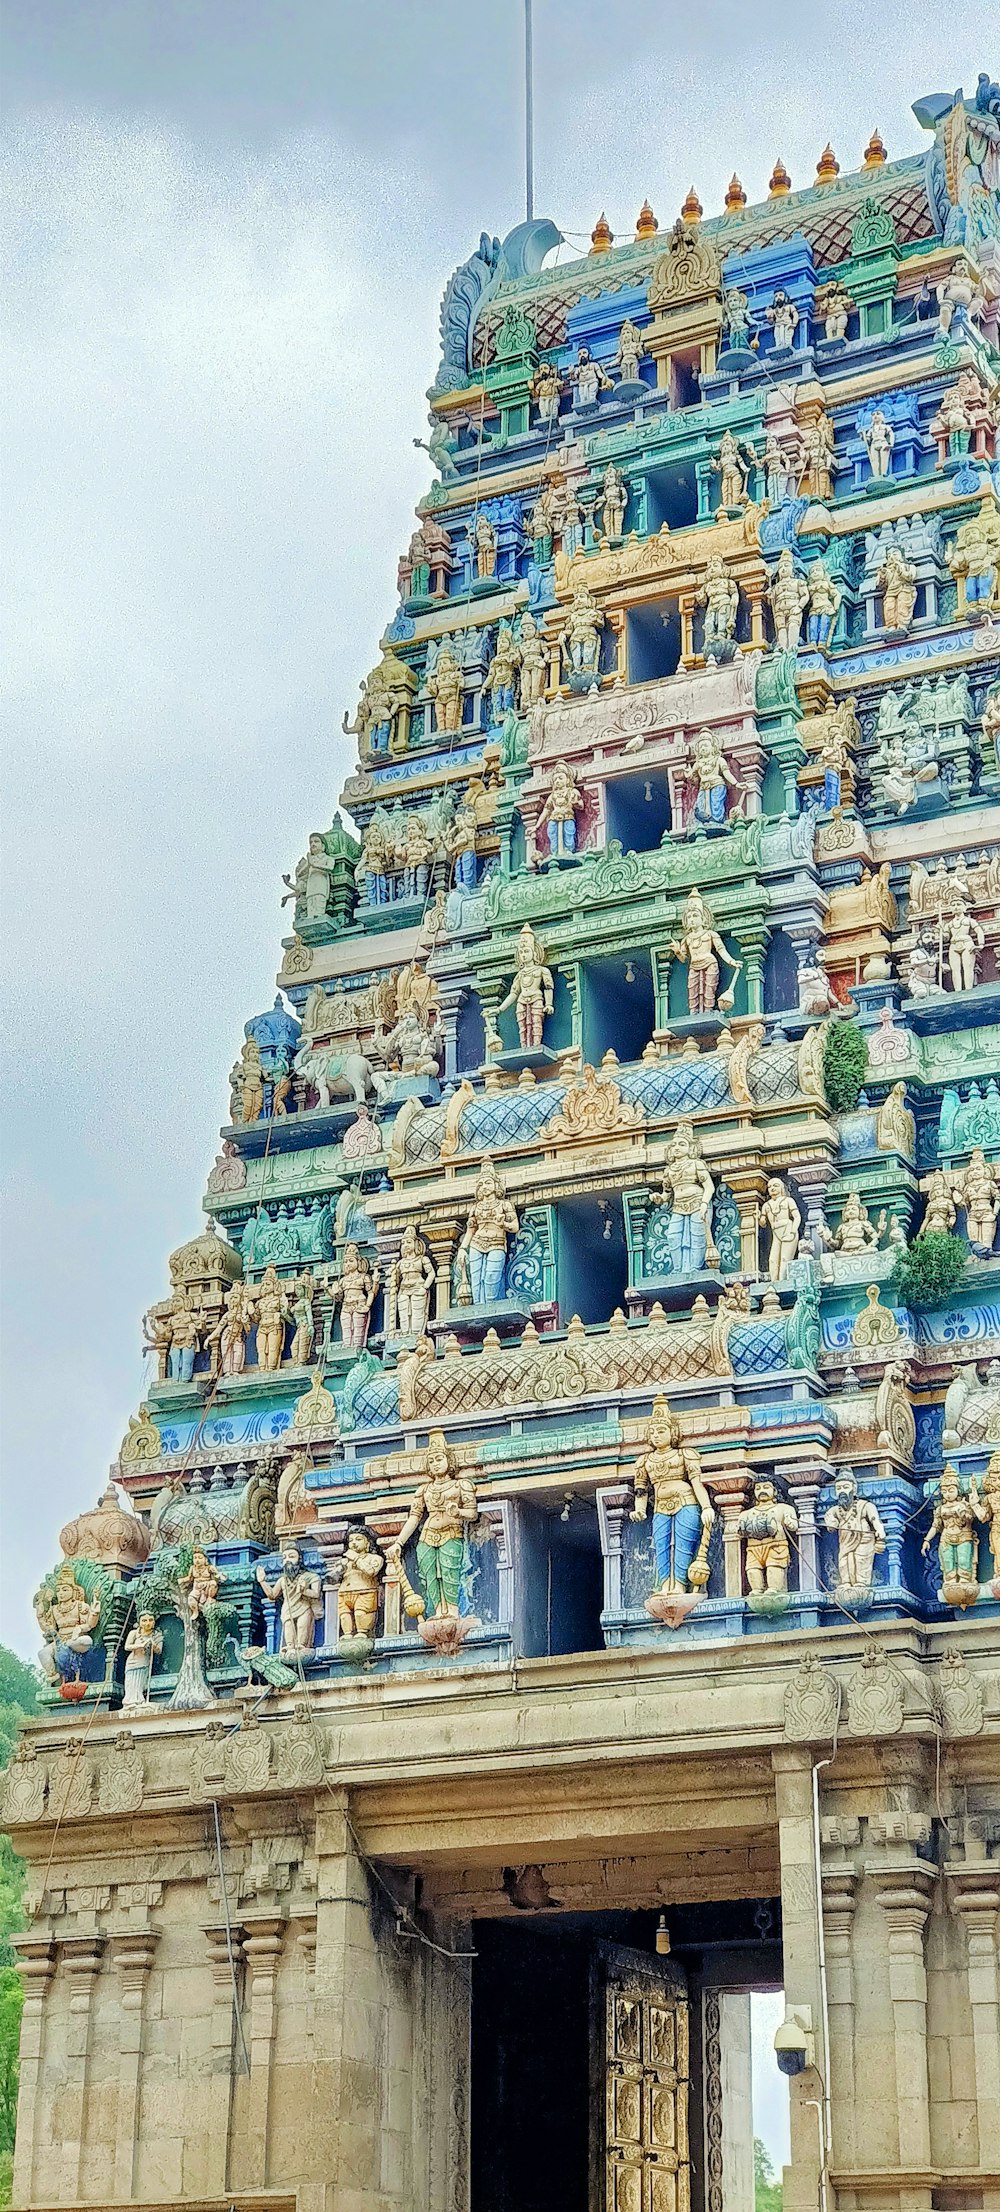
x=549 y=1590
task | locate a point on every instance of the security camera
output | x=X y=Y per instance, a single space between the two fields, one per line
x=794 y=2047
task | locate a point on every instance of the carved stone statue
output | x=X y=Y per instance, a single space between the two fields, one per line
x=614 y=500
x=445 y=686
x=67 y=1618
x=501 y=675
x=562 y=803
x=301 y=1595
x=977 y=1188
x=766 y=1526
x=689 y=1192
x=588 y=379
x=782 y=1216
x=358 y=1586
x=482 y=1253
x=355 y=1291
x=732 y=466
x=897 y=582
x=630 y=352
x=859 y=1533
x=531 y=991
x=712 y=778
x=788 y=599
x=534 y=661
x=143 y=1644
x=878 y=438
x=895 y=1128
x=703 y=949
x=953 y=1527
x=411 y=1281
x=825 y=597
x=783 y=316
x=720 y=597
x=683 y=1514
x=580 y=641
x=966 y=940
x=272 y=1314
x=444 y=1508
x=310 y=886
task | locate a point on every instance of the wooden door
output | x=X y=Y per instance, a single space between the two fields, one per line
x=640 y=2083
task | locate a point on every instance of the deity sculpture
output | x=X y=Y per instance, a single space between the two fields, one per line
x=67 y=1617
x=766 y=1527
x=588 y=379
x=712 y=778
x=720 y=597
x=939 y=1212
x=481 y=1259
x=542 y=525
x=906 y=762
x=689 y=1192
x=897 y=582
x=531 y=992
x=556 y=822
x=788 y=599
x=834 y=306
x=355 y=1291
x=703 y=949
x=445 y=686
x=614 y=500
x=959 y=297
x=815 y=993
x=732 y=466
x=231 y=1331
x=310 y=885
x=484 y=538
x=534 y=661
x=782 y=1216
x=462 y=839
x=783 y=316
x=580 y=641
x=989 y=1498
x=247 y=1081
x=443 y=1510
x=736 y=322
x=301 y=1595
x=143 y=1644
x=630 y=352
x=418 y=852
x=272 y=1314
x=974 y=560
x=411 y=1280
x=201 y=1584
x=683 y=1513
x=977 y=1188
x=833 y=757
x=951 y=426
x=501 y=676
x=183 y=1333
x=818 y=450
x=859 y=1532
x=878 y=439
x=855 y=1233
x=895 y=1128
x=953 y=1526
x=357 y=1575
x=301 y=1311
x=546 y=390
x=780 y=462
x=965 y=939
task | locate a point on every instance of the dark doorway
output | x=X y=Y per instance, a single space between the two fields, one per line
x=591 y=1257
x=654 y=641
x=619 y=1009
x=638 y=811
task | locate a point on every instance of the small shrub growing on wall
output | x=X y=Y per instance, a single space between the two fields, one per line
x=931 y=1269
x=845 y=1065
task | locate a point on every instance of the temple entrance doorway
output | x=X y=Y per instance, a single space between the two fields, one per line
x=605 y=2075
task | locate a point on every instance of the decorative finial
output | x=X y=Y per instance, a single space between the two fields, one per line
x=601 y=237
x=647 y=225
x=827 y=167
x=736 y=198
x=875 y=153
x=780 y=181
x=692 y=210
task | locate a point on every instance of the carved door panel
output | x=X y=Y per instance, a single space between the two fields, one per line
x=640 y=2079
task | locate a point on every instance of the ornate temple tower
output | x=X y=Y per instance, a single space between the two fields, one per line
x=563 y=1513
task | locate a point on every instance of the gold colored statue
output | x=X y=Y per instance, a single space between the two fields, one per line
x=766 y=1526
x=683 y=1513
x=443 y=1510
x=358 y=1586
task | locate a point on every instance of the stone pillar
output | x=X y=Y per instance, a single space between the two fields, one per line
x=263 y=1937
x=441 y=1245
x=132 y=1954
x=904 y=1891
x=729 y=1495
x=975 y=1896
x=36 y=1959
x=801 y=1946
x=227 y=2051
x=840 y=1884
x=737 y=2101
x=803 y=1491
x=80 y=1957
x=330 y=1539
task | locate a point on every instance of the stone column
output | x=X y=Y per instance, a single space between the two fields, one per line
x=36 y=1960
x=737 y=2101
x=801 y=1946
x=904 y=1892
x=839 y=1898
x=263 y=1937
x=729 y=1494
x=441 y=1245
x=80 y=1957
x=330 y=1539
x=975 y=1896
x=132 y=1954
x=803 y=1490
x=226 y=2059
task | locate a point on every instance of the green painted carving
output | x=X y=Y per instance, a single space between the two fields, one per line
x=803 y=1329
x=873 y=230
x=614 y=876
x=775 y=692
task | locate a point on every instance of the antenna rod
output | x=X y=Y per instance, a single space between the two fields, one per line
x=529 y=120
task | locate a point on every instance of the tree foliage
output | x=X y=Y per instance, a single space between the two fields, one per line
x=766 y=2186
x=932 y=1268
x=845 y=1065
x=18 y=1695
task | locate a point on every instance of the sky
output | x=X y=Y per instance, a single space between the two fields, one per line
x=227 y=229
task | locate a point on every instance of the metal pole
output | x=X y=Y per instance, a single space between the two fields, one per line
x=529 y=120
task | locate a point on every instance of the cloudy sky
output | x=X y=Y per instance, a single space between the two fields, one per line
x=227 y=231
